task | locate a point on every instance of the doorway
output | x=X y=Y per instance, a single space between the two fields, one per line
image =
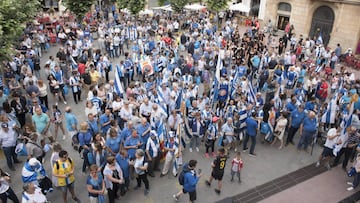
x=322 y=23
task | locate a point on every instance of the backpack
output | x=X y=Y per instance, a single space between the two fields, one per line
x=181 y=177
x=87 y=78
x=75 y=141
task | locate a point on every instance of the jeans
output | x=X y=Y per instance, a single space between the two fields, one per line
x=9 y=194
x=356 y=179
x=116 y=50
x=10 y=155
x=196 y=140
x=253 y=143
x=86 y=161
x=305 y=140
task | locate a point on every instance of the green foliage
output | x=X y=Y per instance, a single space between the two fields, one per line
x=14 y=14
x=161 y=2
x=135 y=6
x=178 y=5
x=216 y=5
x=79 y=7
x=122 y=3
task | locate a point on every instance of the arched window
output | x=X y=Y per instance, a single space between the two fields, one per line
x=284 y=7
x=284 y=13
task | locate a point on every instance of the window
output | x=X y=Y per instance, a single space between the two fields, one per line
x=284 y=7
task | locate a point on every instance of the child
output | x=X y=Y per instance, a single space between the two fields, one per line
x=236 y=166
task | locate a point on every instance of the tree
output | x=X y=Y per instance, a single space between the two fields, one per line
x=79 y=7
x=216 y=5
x=135 y=6
x=123 y=3
x=14 y=14
x=161 y=2
x=178 y=5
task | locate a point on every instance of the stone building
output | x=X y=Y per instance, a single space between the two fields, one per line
x=338 y=21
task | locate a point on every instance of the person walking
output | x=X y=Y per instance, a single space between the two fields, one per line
x=189 y=181
x=218 y=168
x=64 y=169
x=71 y=122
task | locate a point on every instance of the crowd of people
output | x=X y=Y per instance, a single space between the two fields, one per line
x=180 y=82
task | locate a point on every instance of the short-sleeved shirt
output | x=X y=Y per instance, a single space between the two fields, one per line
x=40 y=121
x=70 y=121
x=220 y=163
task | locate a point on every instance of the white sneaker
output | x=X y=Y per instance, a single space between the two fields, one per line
x=235 y=149
x=349 y=183
x=65 y=102
x=197 y=149
x=317 y=164
x=350 y=188
x=175 y=198
x=190 y=149
x=64 y=137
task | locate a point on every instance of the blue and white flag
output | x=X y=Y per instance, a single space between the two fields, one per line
x=319 y=39
x=118 y=86
x=215 y=87
x=251 y=93
x=330 y=114
x=160 y=100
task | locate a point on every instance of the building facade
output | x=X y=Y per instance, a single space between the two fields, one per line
x=338 y=21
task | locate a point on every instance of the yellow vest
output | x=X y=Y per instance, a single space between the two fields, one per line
x=62 y=168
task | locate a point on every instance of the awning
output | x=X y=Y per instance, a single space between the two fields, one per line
x=240 y=7
x=164 y=8
x=194 y=7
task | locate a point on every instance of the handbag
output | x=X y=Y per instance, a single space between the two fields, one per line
x=20 y=149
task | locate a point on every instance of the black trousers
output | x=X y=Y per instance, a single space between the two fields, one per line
x=9 y=194
x=347 y=151
x=77 y=96
x=112 y=193
x=144 y=179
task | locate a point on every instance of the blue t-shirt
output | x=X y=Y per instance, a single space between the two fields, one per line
x=96 y=184
x=297 y=118
x=124 y=165
x=70 y=121
x=141 y=129
x=85 y=138
x=309 y=125
x=132 y=141
x=104 y=119
x=251 y=126
x=114 y=143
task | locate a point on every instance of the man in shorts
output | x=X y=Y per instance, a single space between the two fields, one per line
x=63 y=169
x=331 y=140
x=218 y=166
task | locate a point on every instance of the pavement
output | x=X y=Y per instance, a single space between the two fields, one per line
x=270 y=163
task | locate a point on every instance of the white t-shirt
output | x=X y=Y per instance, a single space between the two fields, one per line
x=330 y=143
x=139 y=163
x=37 y=197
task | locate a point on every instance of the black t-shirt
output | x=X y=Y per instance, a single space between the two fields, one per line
x=220 y=163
